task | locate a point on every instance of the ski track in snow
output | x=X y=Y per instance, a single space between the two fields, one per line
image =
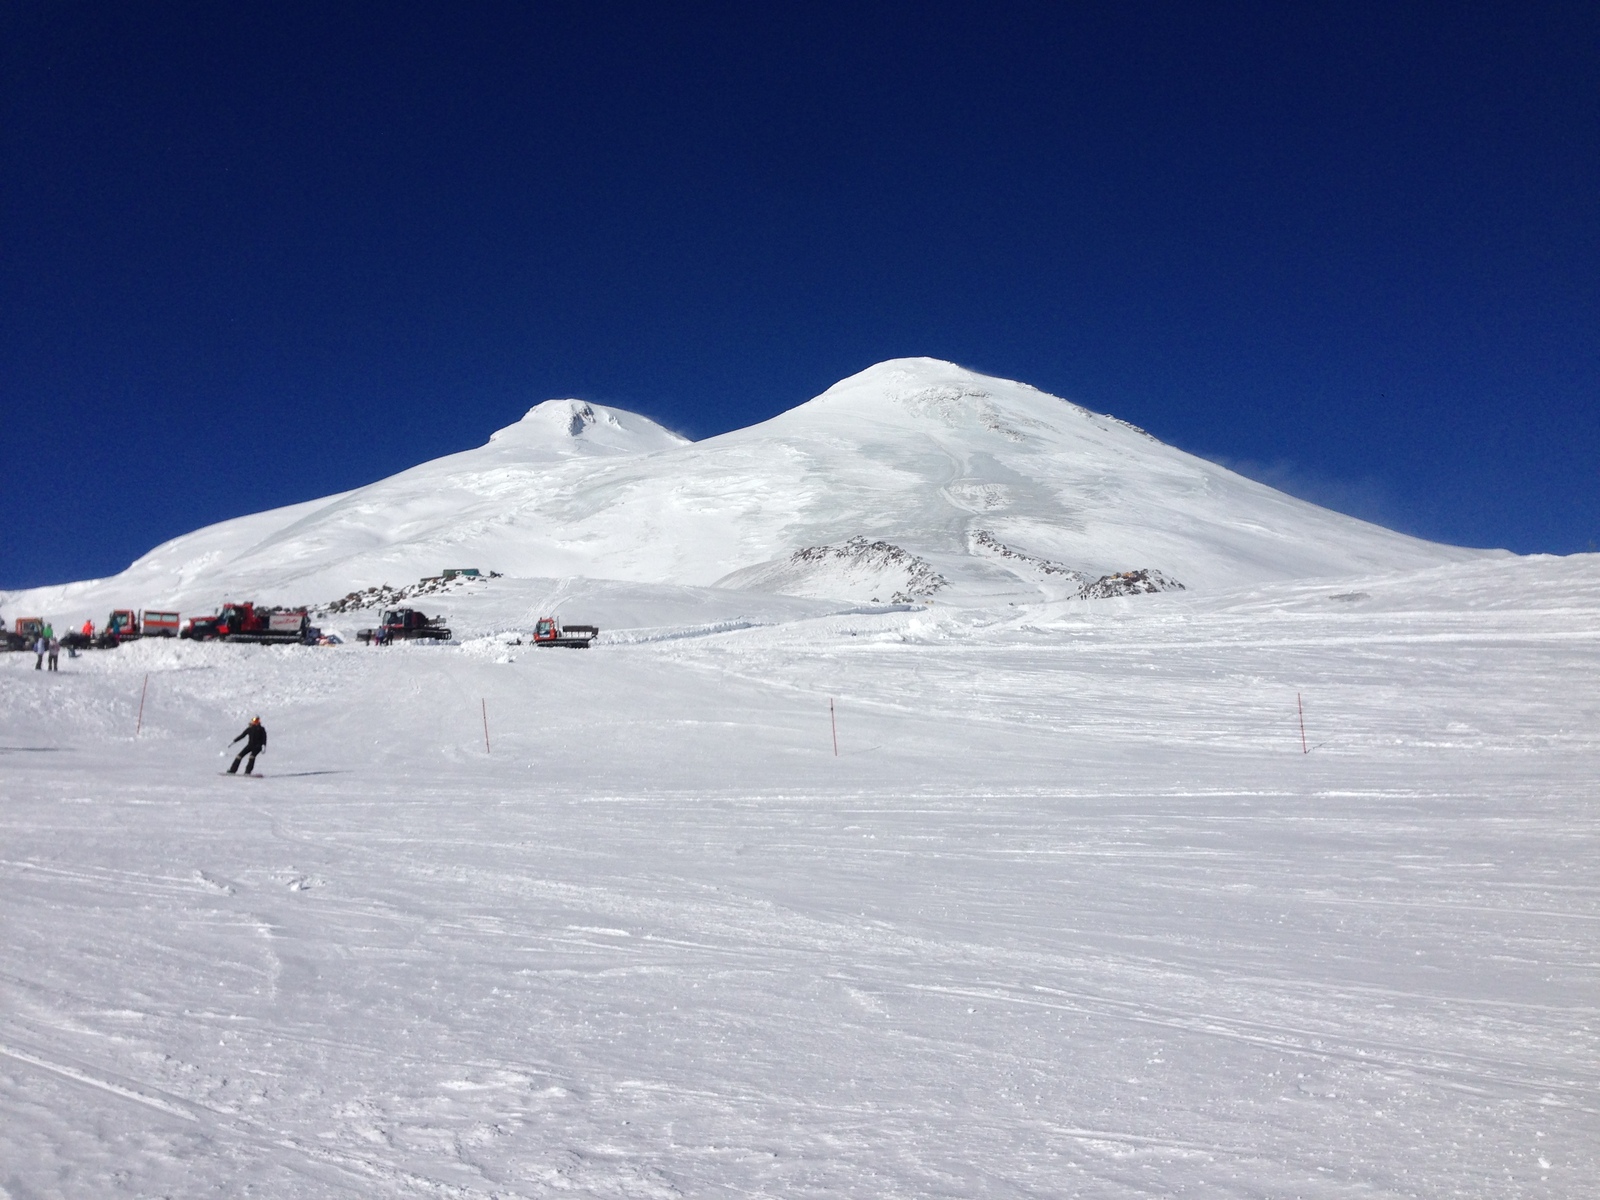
x=1070 y=914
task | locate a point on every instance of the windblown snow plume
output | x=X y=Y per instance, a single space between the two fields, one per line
x=858 y=570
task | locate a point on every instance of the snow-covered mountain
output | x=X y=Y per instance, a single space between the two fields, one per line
x=1271 y=890
x=914 y=479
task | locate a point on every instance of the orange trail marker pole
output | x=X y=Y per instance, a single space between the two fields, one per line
x=137 y=729
x=1301 y=705
x=484 y=704
x=834 y=721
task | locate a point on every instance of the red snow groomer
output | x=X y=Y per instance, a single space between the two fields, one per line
x=121 y=626
x=26 y=632
x=405 y=625
x=549 y=631
x=125 y=625
x=200 y=629
x=247 y=623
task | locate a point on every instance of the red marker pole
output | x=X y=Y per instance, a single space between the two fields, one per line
x=1300 y=704
x=140 y=726
x=485 y=706
x=834 y=721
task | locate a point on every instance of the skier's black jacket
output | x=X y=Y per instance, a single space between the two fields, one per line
x=257 y=735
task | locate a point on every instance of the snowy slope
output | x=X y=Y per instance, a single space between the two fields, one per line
x=1069 y=914
x=1004 y=493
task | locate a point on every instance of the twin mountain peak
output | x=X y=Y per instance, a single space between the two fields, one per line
x=915 y=479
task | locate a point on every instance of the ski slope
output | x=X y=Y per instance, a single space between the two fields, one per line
x=1069 y=914
x=1002 y=492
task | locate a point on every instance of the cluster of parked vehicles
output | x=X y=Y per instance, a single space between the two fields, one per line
x=407 y=625
x=235 y=623
x=248 y=622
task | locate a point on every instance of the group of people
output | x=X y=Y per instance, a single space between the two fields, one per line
x=48 y=645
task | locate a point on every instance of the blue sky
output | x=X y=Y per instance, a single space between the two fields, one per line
x=251 y=255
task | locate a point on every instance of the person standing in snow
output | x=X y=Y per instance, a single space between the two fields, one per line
x=39 y=647
x=53 y=649
x=255 y=741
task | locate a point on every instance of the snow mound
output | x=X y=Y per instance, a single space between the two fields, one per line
x=859 y=570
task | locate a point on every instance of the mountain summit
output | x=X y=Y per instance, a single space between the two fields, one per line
x=569 y=428
x=913 y=479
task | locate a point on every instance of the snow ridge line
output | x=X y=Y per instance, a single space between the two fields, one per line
x=982 y=541
x=630 y=638
x=80 y=1076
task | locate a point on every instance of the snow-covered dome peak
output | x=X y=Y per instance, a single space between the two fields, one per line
x=897 y=376
x=567 y=427
x=923 y=393
x=560 y=417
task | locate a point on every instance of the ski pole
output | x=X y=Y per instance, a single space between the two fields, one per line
x=140 y=726
x=834 y=721
x=485 y=705
x=1300 y=704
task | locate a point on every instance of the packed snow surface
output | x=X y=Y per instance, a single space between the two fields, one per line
x=940 y=463
x=1069 y=913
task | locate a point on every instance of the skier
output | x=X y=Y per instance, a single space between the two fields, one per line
x=39 y=647
x=255 y=736
x=53 y=651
